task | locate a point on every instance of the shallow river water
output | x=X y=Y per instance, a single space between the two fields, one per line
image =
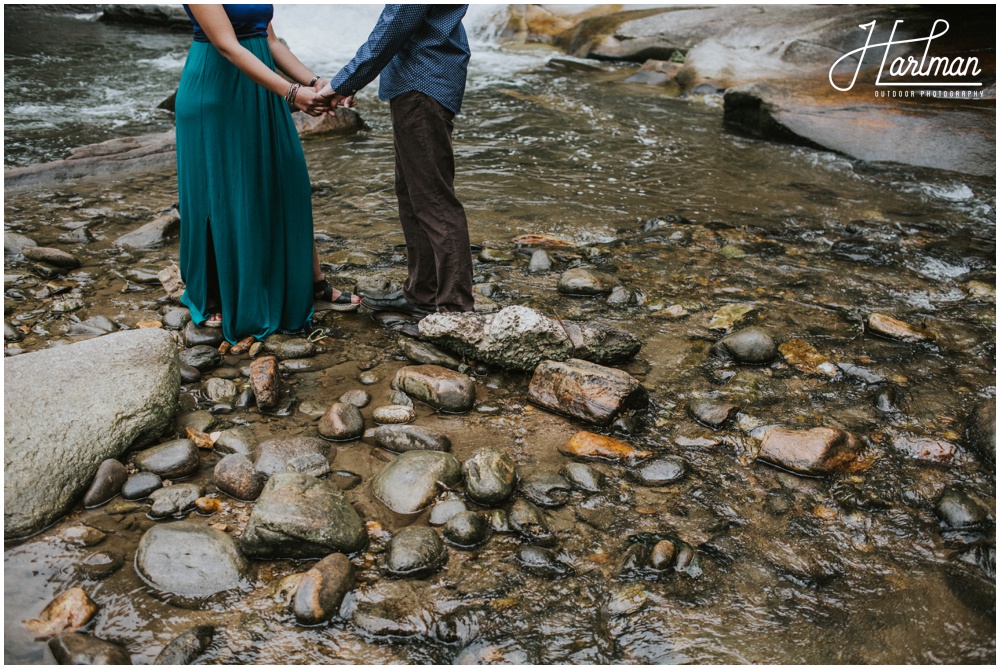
x=851 y=568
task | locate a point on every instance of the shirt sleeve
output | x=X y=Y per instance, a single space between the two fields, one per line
x=396 y=25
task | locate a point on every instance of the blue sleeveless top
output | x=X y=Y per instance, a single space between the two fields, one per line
x=247 y=21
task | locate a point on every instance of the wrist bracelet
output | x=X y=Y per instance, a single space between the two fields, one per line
x=292 y=91
x=313 y=80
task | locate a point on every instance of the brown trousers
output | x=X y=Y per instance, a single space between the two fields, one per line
x=438 y=255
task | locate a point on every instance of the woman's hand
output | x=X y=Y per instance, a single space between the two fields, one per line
x=309 y=101
x=320 y=84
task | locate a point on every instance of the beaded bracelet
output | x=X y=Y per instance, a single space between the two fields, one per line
x=292 y=92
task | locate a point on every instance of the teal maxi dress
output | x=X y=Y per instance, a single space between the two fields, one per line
x=245 y=198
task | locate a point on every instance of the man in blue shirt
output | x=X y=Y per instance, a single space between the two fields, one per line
x=423 y=55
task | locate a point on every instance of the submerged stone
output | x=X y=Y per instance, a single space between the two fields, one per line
x=322 y=589
x=821 y=450
x=489 y=477
x=597 y=446
x=546 y=489
x=583 y=477
x=68 y=612
x=274 y=455
x=585 y=282
x=466 y=529
x=108 y=482
x=750 y=345
x=175 y=500
x=660 y=471
x=191 y=561
x=403 y=438
x=542 y=562
x=415 y=551
x=187 y=646
x=891 y=328
x=79 y=648
x=409 y=483
x=342 y=422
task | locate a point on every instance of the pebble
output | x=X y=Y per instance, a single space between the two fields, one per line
x=236 y=476
x=546 y=489
x=201 y=421
x=196 y=336
x=342 y=422
x=540 y=262
x=108 y=481
x=805 y=358
x=313 y=464
x=176 y=500
x=731 y=315
x=83 y=536
x=542 y=562
x=295 y=348
x=661 y=557
x=369 y=378
x=189 y=374
x=141 y=485
x=400 y=398
x=99 y=565
x=489 y=477
x=528 y=521
x=499 y=521
x=10 y=333
x=413 y=480
x=239 y=439
x=393 y=414
x=597 y=446
x=750 y=345
x=274 y=455
x=660 y=471
x=358 y=398
x=585 y=282
x=265 y=379
x=187 y=647
x=443 y=511
x=711 y=413
x=68 y=612
x=174 y=459
x=821 y=450
x=322 y=589
x=924 y=448
x=176 y=319
x=208 y=505
x=78 y=648
x=959 y=511
x=201 y=357
x=466 y=529
x=415 y=551
x=403 y=438
x=219 y=390
x=583 y=477
x=423 y=353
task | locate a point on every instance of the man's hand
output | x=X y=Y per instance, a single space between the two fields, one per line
x=335 y=99
x=307 y=100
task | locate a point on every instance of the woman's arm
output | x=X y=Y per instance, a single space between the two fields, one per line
x=218 y=29
x=286 y=60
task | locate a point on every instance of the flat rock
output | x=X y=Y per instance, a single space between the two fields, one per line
x=358 y=398
x=59 y=425
x=924 y=448
x=191 y=561
x=592 y=446
x=322 y=589
x=891 y=328
x=141 y=485
x=529 y=521
x=489 y=477
x=14 y=243
x=415 y=551
x=750 y=345
x=409 y=483
x=583 y=477
x=265 y=379
x=177 y=318
x=396 y=608
x=187 y=647
x=393 y=414
x=176 y=500
x=78 y=648
x=68 y=612
x=959 y=511
x=585 y=282
x=239 y=439
x=201 y=357
x=174 y=459
x=295 y=348
x=108 y=482
x=299 y=516
x=342 y=422
x=546 y=489
x=236 y=476
x=199 y=421
x=821 y=450
x=540 y=262
x=423 y=353
x=711 y=413
x=660 y=471
x=585 y=390
x=542 y=562
x=274 y=455
x=403 y=438
x=804 y=357
x=55 y=257
x=152 y=234
x=443 y=389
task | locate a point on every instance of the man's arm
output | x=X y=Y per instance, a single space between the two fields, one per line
x=395 y=27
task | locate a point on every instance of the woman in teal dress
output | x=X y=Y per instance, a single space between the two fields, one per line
x=245 y=197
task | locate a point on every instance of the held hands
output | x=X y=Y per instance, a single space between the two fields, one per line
x=320 y=99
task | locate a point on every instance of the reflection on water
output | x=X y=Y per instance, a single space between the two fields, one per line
x=851 y=569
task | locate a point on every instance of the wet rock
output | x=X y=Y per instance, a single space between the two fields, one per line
x=393 y=414
x=403 y=438
x=312 y=464
x=343 y=121
x=529 y=521
x=400 y=398
x=207 y=505
x=83 y=536
x=756 y=387
x=542 y=562
x=68 y=612
x=660 y=471
x=188 y=646
x=202 y=358
x=177 y=319
x=499 y=522
x=78 y=648
x=174 y=459
x=344 y=480
x=190 y=560
x=626 y=297
x=245 y=399
x=583 y=477
x=395 y=609
x=981 y=432
x=959 y=511
x=358 y=398
x=369 y=378
x=342 y=422
x=596 y=446
x=805 y=358
x=750 y=345
x=295 y=348
x=888 y=400
x=585 y=390
x=51 y=398
x=96 y=325
x=441 y=388
x=923 y=448
x=99 y=565
x=821 y=450
x=239 y=439
x=196 y=336
x=152 y=234
x=489 y=477
x=415 y=551
x=322 y=589
x=141 y=485
x=236 y=476
x=409 y=483
x=546 y=489
x=108 y=481
x=585 y=282
x=189 y=374
x=443 y=511
x=299 y=516
x=662 y=555
x=423 y=353
x=14 y=243
x=466 y=529
x=199 y=421
x=540 y=262
x=731 y=315
x=890 y=328
x=174 y=501
x=274 y=455
x=10 y=333
x=711 y=413
x=265 y=379
x=219 y=390
x=977 y=290
x=54 y=257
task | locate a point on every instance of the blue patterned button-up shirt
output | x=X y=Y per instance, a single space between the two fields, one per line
x=416 y=48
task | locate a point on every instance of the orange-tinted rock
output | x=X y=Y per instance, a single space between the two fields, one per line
x=68 y=612
x=821 y=450
x=322 y=589
x=585 y=390
x=242 y=346
x=891 y=328
x=545 y=241
x=598 y=447
x=265 y=379
x=923 y=448
x=208 y=505
x=804 y=357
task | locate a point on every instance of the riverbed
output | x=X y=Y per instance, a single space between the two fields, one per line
x=689 y=218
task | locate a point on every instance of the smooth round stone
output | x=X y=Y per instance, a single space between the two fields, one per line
x=295 y=348
x=587 y=282
x=546 y=489
x=957 y=510
x=187 y=646
x=230 y=373
x=173 y=459
x=175 y=319
x=79 y=648
x=542 y=562
x=108 y=482
x=583 y=477
x=393 y=414
x=749 y=345
x=141 y=485
x=321 y=590
x=415 y=551
x=312 y=464
x=196 y=336
x=219 y=390
x=174 y=501
x=400 y=398
x=199 y=421
x=358 y=398
x=202 y=358
x=528 y=521
x=210 y=562
x=342 y=422
x=662 y=555
x=369 y=378
x=99 y=565
x=660 y=471
x=440 y=387
x=442 y=512
x=403 y=438
x=466 y=529
x=239 y=439
x=413 y=480
x=189 y=374
x=711 y=413
x=56 y=257
x=489 y=477
x=236 y=476
x=540 y=262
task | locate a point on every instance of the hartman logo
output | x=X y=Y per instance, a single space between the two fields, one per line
x=928 y=71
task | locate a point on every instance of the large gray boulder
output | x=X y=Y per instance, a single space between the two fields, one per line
x=68 y=409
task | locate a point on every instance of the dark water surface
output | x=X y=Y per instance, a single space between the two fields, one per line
x=846 y=569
